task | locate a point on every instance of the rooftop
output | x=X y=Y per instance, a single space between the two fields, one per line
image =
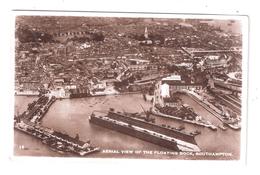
x=173 y=77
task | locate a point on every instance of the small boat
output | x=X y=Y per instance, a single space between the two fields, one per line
x=222 y=127
x=197 y=132
x=180 y=128
x=23 y=148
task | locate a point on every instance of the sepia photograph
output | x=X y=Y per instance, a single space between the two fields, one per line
x=139 y=87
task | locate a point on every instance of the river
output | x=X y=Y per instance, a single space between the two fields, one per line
x=71 y=116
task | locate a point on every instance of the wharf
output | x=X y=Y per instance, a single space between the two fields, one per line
x=232 y=125
x=29 y=123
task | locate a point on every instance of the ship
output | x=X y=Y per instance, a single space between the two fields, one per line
x=162 y=135
x=184 y=114
x=145 y=115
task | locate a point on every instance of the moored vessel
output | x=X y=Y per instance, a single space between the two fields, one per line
x=162 y=135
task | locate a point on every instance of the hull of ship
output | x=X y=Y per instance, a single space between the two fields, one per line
x=79 y=95
x=187 y=121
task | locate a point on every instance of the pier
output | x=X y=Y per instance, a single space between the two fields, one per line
x=232 y=124
x=29 y=123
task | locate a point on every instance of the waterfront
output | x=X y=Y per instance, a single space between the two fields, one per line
x=71 y=116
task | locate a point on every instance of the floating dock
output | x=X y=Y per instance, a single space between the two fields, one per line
x=170 y=138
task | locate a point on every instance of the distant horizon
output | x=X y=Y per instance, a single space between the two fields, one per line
x=83 y=21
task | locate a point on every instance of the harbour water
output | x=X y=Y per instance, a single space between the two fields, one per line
x=70 y=116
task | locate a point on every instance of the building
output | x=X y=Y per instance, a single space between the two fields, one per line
x=176 y=84
x=168 y=86
x=165 y=90
x=60 y=92
x=215 y=61
x=59 y=81
x=98 y=86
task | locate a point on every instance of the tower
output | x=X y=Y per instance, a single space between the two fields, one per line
x=146 y=33
x=37 y=60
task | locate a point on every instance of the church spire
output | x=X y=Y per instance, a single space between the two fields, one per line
x=146 y=33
